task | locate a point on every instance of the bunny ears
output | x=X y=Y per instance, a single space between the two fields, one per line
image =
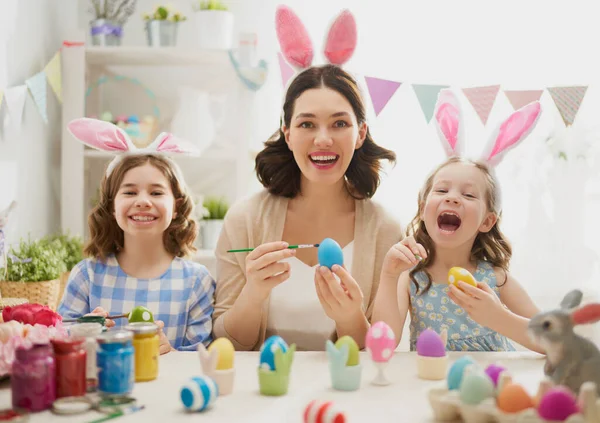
x=106 y=136
x=513 y=130
x=297 y=47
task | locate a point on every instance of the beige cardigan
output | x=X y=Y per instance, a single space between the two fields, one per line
x=260 y=219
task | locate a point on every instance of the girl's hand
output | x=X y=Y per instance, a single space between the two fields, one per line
x=99 y=311
x=164 y=346
x=481 y=303
x=263 y=269
x=341 y=301
x=401 y=257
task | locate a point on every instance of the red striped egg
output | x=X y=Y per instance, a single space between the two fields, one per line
x=323 y=412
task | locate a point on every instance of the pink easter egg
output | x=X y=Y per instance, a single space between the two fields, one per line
x=558 y=404
x=380 y=342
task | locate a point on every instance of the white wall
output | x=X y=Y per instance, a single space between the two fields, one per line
x=30 y=33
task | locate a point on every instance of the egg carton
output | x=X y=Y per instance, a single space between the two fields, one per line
x=448 y=407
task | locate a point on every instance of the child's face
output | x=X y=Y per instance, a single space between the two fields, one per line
x=323 y=135
x=456 y=207
x=144 y=204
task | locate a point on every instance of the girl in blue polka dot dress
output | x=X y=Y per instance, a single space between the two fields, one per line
x=458 y=225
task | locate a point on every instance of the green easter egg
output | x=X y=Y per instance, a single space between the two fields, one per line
x=140 y=314
x=476 y=386
x=352 y=349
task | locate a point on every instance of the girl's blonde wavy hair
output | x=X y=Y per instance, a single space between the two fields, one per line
x=106 y=237
x=492 y=246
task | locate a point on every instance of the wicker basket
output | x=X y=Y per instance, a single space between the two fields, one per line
x=64 y=278
x=45 y=293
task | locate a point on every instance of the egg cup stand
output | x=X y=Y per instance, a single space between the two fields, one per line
x=447 y=406
x=432 y=368
x=343 y=377
x=276 y=382
x=380 y=379
x=223 y=378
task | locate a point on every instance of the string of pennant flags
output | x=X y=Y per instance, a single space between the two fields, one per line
x=567 y=99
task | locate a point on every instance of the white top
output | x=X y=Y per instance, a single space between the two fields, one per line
x=295 y=312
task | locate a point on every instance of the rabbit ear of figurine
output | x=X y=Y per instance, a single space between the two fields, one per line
x=337 y=356
x=208 y=359
x=504 y=379
x=589 y=313
x=444 y=336
x=572 y=299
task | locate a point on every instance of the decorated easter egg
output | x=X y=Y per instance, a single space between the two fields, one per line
x=199 y=393
x=267 y=351
x=493 y=371
x=459 y=274
x=140 y=314
x=430 y=344
x=323 y=412
x=352 y=349
x=330 y=253
x=226 y=353
x=380 y=342
x=475 y=386
x=455 y=374
x=558 y=404
x=513 y=398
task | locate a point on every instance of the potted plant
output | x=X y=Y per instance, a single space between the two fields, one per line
x=71 y=248
x=214 y=24
x=212 y=222
x=161 y=27
x=33 y=272
x=106 y=28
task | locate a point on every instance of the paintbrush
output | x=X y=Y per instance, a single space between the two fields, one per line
x=291 y=247
x=79 y=319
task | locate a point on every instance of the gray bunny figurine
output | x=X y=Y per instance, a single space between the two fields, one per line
x=571 y=359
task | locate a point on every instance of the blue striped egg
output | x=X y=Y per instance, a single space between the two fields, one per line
x=199 y=393
x=267 y=351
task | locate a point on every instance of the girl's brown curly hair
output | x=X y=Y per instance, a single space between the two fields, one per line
x=106 y=237
x=491 y=246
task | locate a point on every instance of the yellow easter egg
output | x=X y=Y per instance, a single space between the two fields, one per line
x=226 y=353
x=459 y=274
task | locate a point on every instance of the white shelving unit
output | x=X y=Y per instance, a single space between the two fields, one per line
x=83 y=64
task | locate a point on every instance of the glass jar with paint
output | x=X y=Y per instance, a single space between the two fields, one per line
x=115 y=361
x=146 y=346
x=88 y=331
x=70 y=358
x=33 y=378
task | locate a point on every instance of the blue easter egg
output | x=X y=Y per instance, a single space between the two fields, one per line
x=267 y=351
x=133 y=119
x=455 y=374
x=330 y=253
x=199 y=393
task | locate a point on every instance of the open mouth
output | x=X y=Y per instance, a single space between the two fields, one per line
x=142 y=219
x=324 y=159
x=448 y=222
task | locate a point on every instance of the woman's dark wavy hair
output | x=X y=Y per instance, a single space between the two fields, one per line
x=275 y=165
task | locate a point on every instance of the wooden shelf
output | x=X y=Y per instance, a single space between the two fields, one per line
x=154 y=56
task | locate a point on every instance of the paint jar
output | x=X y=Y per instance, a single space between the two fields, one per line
x=146 y=346
x=115 y=361
x=88 y=331
x=33 y=378
x=71 y=362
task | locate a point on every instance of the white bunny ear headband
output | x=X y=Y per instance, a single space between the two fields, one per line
x=106 y=136
x=296 y=45
x=514 y=129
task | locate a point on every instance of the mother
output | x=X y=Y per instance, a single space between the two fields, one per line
x=319 y=170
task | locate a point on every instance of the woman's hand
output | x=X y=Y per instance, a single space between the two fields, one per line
x=481 y=303
x=164 y=346
x=401 y=257
x=264 y=270
x=99 y=311
x=341 y=300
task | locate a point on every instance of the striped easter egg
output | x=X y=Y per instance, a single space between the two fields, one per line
x=199 y=393
x=323 y=412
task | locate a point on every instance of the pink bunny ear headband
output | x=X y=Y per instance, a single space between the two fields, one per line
x=105 y=136
x=297 y=47
x=510 y=132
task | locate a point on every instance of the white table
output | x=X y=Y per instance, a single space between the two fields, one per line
x=405 y=400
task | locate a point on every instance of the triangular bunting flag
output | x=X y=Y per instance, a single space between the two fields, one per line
x=53 y=74
x=482 y=99
x=286 y=70
x=568 y=100
x=38 y=87
x=15 y=100
x=519 y=99
x=381 y=90
x=427 y=95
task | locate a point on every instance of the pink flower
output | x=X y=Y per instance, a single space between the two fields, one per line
x=30 y=314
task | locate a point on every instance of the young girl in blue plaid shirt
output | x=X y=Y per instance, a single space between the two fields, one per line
x=139 y=233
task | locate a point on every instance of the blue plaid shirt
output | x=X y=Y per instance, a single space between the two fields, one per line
x=182 y=297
